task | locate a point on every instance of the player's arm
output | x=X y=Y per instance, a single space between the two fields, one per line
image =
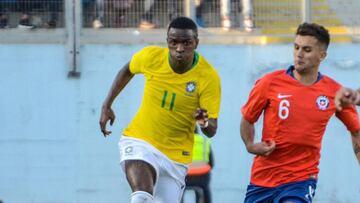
x=350 y=118
x=120 y=81
x=210 y=129
x=355 y=137
x=247 y=132
x=208 y=125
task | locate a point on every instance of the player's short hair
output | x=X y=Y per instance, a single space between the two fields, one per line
x=183 y=23
x=315 y=30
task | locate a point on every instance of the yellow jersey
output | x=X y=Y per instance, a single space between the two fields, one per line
x=165 y=117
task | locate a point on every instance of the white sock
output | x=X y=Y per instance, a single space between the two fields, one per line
x=141 y=197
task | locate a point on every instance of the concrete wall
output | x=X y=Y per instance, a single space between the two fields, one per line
x=52 y=151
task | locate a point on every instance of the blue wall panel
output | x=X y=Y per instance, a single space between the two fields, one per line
x=52 y=151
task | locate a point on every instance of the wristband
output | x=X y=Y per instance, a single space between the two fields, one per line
x=205 y=125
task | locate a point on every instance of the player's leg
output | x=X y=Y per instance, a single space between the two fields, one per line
x=140 y=166
x=167 y=189
x=202 y=182
x=191 y=181
x=206 y=188
x=141 y=177
x=170 y=184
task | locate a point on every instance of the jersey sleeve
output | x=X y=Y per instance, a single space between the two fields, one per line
x=257 y=101
x=210 y=95
x=349 y=116
x=139 y=59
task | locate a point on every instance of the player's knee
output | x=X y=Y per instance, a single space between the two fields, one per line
x=141 y=197
x=140 y=175
x=141 y=184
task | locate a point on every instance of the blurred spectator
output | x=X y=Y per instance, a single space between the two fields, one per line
x=25 y=22
x=97 y=10
x=99 y=14
x=173 y=8
x=199 y=173
x=3 y=20
x=27 y=6
x=199 y=8
x=225 y=14
x=121 y=7
x=5 y=7
x=147 y=19
x=3 y=17
x=54 y=7
x=247 y=13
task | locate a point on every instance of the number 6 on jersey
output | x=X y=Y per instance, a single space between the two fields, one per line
x=284 y=109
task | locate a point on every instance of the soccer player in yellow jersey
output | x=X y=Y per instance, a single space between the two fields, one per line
x=181 y=89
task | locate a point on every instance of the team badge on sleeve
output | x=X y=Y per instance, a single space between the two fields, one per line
x=322 y=102
x=190 y=87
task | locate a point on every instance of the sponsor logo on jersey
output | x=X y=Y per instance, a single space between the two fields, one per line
x=283 y=96
x=190 y=87
x=322 y=102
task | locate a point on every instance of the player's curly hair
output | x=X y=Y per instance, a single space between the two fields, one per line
x=315 y=30
x=183 y=23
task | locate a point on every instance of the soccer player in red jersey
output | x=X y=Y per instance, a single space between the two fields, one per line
x=297 y=105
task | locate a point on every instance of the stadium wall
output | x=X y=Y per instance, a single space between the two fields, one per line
x=52 y=151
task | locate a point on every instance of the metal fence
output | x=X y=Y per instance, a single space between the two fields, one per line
x=76 y=22
x=282 y=16
x=130 y=13
x=31 y=13
x=270 y=17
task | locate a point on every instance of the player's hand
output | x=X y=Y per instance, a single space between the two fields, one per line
x=264 y=148
x=346 y=96
x=106 y=114
x=201 y=117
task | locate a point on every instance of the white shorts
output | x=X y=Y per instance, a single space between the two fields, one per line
x=170 y=175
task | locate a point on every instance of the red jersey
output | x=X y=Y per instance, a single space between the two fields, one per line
x=295 y=117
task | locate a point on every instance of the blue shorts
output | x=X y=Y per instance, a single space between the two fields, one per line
x=296 y=192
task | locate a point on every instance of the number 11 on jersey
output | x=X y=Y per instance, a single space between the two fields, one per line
x=172 y=102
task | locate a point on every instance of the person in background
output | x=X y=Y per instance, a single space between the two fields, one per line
x=99 y=14
x=147 y=16
x=199 y=6
x=122 y=8
x=147 y=19
x=225 y=11
x=27 y=7
x=5 y=8
x=246 y=10
x=199 y=173
x=248 y=15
